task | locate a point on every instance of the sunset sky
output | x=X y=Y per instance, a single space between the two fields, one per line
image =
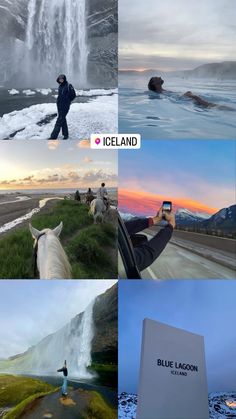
x=42 y=165
x=176 y=35
x=188 y=173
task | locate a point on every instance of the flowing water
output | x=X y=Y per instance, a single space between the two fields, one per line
x=56 y=41
x=72 y=343
x=8 y=226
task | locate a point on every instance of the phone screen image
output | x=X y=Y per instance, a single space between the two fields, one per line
x=167 y=206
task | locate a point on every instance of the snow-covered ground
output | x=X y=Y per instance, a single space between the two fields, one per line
x=96 y=116
x=44 y=91
x=127 y=405
x=221 y=405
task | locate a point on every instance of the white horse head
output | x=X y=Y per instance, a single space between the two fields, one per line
x=98 y=209
x=51 y=259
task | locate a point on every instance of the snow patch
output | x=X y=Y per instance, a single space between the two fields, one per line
x=44 y=92
x=13 y=92
x=28 y=92
x=96 y=92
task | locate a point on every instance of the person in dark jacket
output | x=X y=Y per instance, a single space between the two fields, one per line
x=77 y=196
x=66 y=93
x=147 y=252
x=65 y=374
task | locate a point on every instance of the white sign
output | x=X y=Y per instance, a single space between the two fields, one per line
x=115 y=141
x=172 y=383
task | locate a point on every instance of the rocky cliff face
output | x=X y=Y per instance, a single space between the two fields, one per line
x=105 y=319
x=103 y=41
x=102 y=26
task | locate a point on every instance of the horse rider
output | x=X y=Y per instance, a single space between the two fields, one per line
x=103 y=194
x=89 y=196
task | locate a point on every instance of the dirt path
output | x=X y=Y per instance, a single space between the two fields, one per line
x=55 y=407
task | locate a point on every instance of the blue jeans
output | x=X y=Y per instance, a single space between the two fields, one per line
x=64 y=385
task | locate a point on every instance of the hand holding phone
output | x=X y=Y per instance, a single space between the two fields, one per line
x=168 y=215
x=166 y=208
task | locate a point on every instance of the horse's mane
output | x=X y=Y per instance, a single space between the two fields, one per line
x=58 y=263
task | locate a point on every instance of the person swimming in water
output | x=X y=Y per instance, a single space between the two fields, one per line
x=155 y=85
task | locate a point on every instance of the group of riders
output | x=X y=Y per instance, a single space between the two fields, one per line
x=90 y=195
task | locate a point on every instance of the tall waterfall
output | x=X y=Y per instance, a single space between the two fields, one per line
x=56 y=41
x=72 y=343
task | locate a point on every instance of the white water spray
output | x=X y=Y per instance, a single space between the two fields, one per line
x=84 y=355
x=72 y=343
x=56 y=41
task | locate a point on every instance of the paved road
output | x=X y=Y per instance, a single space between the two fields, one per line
x=191 y=257
x=55 y=407
x=218 y=243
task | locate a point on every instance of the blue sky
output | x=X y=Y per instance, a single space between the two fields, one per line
x=203 y=170
x=204 y=307
x=31 y=310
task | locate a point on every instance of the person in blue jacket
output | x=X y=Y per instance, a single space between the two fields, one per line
x=65 y=374
x=66 y=93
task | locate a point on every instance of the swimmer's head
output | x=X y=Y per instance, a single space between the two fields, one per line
x=188 y=94
x=155 y=84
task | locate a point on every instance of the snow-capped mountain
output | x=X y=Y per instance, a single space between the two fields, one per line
x=224 y=219
x=186 y=217
x=222 y=405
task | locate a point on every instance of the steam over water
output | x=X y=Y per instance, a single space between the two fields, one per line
x=71 y=343
x=56 y=41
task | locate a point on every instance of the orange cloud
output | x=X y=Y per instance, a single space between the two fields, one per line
x=145 y=203
x=83 y=144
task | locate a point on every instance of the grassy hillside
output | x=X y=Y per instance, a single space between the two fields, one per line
x=99 y=409
x=15 y=390
x=90 y=248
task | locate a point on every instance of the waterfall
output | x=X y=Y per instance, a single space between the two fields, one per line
x=56 y=41
x=72 y=343
x=84 y=355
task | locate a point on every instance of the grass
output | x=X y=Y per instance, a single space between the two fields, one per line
x=17 y=411
x=88 y=246
x=107 y=373
x=99 y=409
x=89 y=253
x=15 y=390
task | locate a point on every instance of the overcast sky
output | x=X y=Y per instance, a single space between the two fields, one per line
x=31 y=310
x=53 y=165
x=176 y=34
x=204 y=307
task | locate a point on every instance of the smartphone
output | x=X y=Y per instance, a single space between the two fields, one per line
x=167 y=206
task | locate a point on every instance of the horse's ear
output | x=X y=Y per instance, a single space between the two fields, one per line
x=57 y=230
x=35 y=233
